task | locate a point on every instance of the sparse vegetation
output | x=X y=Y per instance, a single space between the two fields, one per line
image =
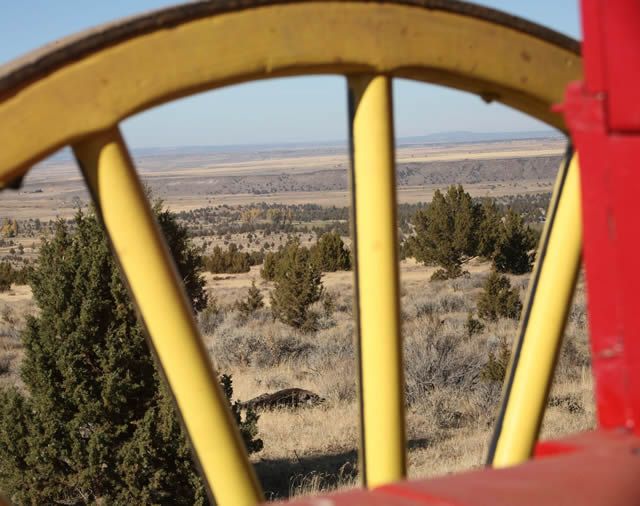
x=96 y=423
x=11 y=275
x=454 y=228
x=514 y=245
x=6 y=276
x=445 y=232
x=230 y=261
x=298 y=284
x=330 y=253
x=498 y=299
x=211 y=316
x=455 y=358
x=473 y=326
x=496 y=367
x=270 y=265
x=489 y=229
x=253 y=301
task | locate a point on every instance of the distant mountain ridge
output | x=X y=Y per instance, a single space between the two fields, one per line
x=452 y=137
x=463 y=136
x=439 y=173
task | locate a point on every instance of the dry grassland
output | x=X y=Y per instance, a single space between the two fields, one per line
x=450 y=407
x=189 y=181
x=451 y=404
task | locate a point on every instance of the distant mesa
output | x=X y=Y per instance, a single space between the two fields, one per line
x=462 y=136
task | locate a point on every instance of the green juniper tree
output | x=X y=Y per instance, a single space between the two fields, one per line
x=251 y=303
x=453 y=228
x=269 y=265
x=514 y=243
x=298 y=285
x=330 y=253
x=6 y=276
x=489 y=229
x=95 y=423
x=446 y=231
x=231 y=261
x=466 y=217
x=497 y=365
x=472 y=325
x=498 y=299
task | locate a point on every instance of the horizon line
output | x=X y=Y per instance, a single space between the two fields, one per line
x=550 y=132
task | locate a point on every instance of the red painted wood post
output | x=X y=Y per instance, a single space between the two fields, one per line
x=603 y=115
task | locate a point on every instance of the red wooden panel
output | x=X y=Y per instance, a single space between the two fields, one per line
x=611 y=49
x=592 y=45
x=552 y=448
x=603 y=115
x=586 y=118
x=622 y=42
x=602 y=471
x=624 y=156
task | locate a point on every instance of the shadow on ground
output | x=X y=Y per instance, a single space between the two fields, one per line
x=282 y=478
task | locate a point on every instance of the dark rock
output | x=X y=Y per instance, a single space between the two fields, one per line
x=287 y=398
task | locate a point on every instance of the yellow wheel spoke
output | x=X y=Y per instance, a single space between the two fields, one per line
x=92 y=83
x=167 y=315
x=377 y=293
x=78 y=91
x=543 y=321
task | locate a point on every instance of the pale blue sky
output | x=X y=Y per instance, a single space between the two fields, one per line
x=303 y=109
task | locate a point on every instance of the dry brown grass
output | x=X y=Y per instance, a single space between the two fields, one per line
x=450 y=407
x=15 y=305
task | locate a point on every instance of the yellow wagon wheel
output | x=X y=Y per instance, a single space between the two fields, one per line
x=75 y=92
